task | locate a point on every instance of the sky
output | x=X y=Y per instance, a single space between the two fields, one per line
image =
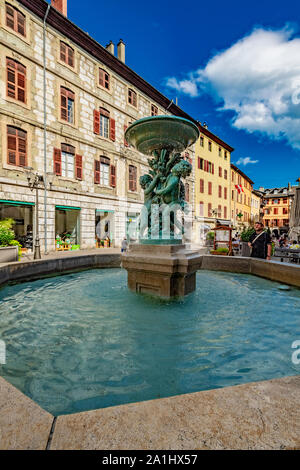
x=232 y=64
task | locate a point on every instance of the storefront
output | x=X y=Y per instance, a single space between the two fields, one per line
x=132 y=226
x=104 y=228
x=22 y=214
x=67 y=228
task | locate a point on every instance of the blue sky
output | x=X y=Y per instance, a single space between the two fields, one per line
x=233 y=64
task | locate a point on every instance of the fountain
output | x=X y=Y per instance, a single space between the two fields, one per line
x=160 y=263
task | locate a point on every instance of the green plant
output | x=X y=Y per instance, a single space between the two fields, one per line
x=210 y=236
x=222 y=249
x=7 y=235
x=246 y=234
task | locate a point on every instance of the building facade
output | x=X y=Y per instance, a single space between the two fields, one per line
x=241 y=197
x=212 y=182
x=65 y=103
x=256 y=203
x=277 y=208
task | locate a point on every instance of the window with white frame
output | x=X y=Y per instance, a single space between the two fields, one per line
x=104 y=171
x=67 y=161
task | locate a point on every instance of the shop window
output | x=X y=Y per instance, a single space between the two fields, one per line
x=22 y=214
x=66 y=54
x=132 y=97
x=67 y=98
x=67 y=228
x=16 y=146
x=104 y=229
x=154 y=110
x=16 y=80
x=104 y=79
x=15 y=19
x=132 y=178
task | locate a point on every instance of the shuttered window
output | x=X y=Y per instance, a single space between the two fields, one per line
x=57 y=162
x=66 y=54
x=225 y=193
x=201 y=186
x=132 y=98
x=104 y=171
x=97 y=172
x=220 y=171
x=16 y=146
x=16 y=80
x=220 y=191
x=15 y=19
x=132 y=178
x=209 y=210
x=67 y=98
x=67 y=161
x=113 y=176
x=104 y=79
x=225 y=212
x=78 y=167
x=154 y=110
x=210 y=188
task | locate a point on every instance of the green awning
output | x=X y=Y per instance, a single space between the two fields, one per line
x=68 y=208
x=16 y=203
x=103 y=210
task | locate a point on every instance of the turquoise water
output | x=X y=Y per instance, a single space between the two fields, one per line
x=83 y=341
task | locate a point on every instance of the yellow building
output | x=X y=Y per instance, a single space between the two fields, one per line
x=212 y=182
x=256 y=201
x=241 y=194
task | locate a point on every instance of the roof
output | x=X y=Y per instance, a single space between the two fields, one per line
x=235 y=168
x=70 y=30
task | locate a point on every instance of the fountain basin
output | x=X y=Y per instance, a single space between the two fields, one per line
x=162 y=132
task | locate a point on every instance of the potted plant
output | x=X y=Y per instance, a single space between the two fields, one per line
x=245 y=237
x=210 y=236
x=10 y=249
x=222 y=250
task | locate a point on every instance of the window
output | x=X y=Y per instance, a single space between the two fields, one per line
x=284 y=201
x=209 y=210
x=210 y=188
x=232 y=194
x=220 y=152
x=232 y=176
x=219 y=211
x=220 y=171
x=201 y=209
x=209 y=146
x=200 y=163
x=220 y=191
x=275 y=210
x=132 y=178
x=225 y=193
x=16 y=80
x=154 y=110
x=104 y=171
x=132 y=99
x=225 y=155
x=104 y=79
x=16 y=146
x=104 y=123
x=202 y=141
x=284 y=210
x=225 y=212
x=66 y=54
x=67 y=161
x=67 y=98
x=225 y=174
x=15 y=20
x=201 y=186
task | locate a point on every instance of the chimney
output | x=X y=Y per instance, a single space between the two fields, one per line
x=60 y=5
x=110 y=47
x=121 y=51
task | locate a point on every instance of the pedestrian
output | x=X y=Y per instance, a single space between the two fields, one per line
x=260 y=242
x=124 y=245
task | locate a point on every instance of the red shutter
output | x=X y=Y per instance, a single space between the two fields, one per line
x=22 y=148
x=97 y=172
x=125 y=141
x=10 y=17
x=11 y=78
x=63 y=104
x=112 y=129
x=199 y=163
x=63 y=52
x=20 y=23
x=113 y=176
x=96 y=121
x=78 y=167
x=213 y=169
x=101 y=77
x=70 y=57
x=57 y=162
x=21 y=84
x=11 y=146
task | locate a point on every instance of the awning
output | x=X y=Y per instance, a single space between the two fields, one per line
x=16 y=203
x=67 y=208
x=101 y=211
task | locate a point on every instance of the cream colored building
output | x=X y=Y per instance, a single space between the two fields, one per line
x=65 y=102
x=240 y=199
x=256 y=201
x=212 y=182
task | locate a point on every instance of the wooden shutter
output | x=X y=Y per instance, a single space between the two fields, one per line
x=11 y=78
x=10 y=17
x=97 y=172
x=101 y=77
x=63 y=52
x=70 y=57
x=22 y=150
x=21 y=83
x=132 y=178
x=20 y=23
x=113 y=176
x=125 y=141
x=11 y=146
x=64 y=104
x=78 y=167
x=57 y=161
x=112 y=129
x=213 y=168
x=96 y=121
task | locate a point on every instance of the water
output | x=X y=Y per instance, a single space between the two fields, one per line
x=83 y=341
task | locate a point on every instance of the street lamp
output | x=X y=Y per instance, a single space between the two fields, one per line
x=34 y=179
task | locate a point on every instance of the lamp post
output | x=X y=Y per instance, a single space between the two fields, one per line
x=33 y=182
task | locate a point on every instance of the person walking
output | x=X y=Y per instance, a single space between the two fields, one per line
x=260 y=242
x=124 y=245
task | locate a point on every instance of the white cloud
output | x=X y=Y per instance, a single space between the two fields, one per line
x=258 y=78
x=245 y=161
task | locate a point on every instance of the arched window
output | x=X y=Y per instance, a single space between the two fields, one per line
x=16 y=146
x=15 y=19
x=16 y=80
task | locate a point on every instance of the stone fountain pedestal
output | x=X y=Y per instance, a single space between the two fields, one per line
x=162 y=270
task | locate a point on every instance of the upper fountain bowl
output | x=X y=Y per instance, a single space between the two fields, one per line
x=161 y=132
